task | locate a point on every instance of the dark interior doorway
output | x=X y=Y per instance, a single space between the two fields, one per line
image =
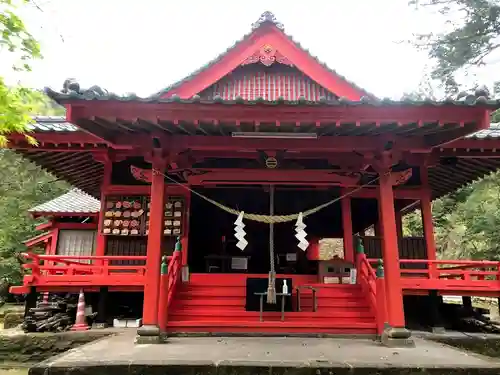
x=212 y=229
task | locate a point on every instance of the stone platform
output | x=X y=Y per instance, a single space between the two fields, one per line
x=258 y=355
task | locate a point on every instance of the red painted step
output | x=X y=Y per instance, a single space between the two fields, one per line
x=216 y=303
x=305 y=305
x=212 y=326
x=320 y=313
x=241 y=292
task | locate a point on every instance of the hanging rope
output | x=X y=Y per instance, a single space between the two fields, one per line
x=271 y=286
x=268 y=219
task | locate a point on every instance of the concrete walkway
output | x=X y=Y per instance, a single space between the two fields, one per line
x=252 y=355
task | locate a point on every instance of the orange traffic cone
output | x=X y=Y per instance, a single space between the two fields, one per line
x=80 y=322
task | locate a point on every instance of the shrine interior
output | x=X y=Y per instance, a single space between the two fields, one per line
x=212 y=245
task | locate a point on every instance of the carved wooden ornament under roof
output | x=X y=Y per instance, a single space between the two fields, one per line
x=267 y=55
x=267 y=17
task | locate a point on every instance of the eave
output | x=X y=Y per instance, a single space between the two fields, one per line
x=108 y=117
x=456 y=163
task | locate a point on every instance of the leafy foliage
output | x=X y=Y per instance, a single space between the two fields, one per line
x=466 y=222
x=473 y=30
x=22 y=186
x=15 y=39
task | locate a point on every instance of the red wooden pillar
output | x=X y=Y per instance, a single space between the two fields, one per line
x=100 y=249
x=390 y=251
x=345 y=204
x=149 y=330
x=54 y=241
x=185 y=237
x=426 y=210
x=163 y=297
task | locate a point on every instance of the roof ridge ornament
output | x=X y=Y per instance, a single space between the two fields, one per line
x=268 y=16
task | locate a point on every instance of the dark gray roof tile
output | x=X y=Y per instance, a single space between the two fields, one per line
x=493 y=132
x=52 y=123
x=469 y=101
x=74 y=201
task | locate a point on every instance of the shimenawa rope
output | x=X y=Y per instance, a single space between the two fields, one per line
x=268 y=219
x=271 y=219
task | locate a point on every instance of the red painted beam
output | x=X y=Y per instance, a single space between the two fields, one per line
x=470 y=143
x=467 y=154
x=45 y=226
x=41 y=238
x=304 y=177
x=323 y=144
x=81 y=226
x=197 y=112
x=399 y=193
x=64 y=214
x=77 y=137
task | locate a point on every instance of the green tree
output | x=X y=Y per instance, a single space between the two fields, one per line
x=15 y=40
x=472 y=30
x=23 y=185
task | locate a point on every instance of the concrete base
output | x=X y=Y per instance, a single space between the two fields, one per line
x=225 y=356
x=148 y=330
x=143 y=340
x=397 y=337
x=438 y=330
x=148 y=334
x=99 y=325
x=396 y=343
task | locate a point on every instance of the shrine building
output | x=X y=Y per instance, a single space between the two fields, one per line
x=254 y=180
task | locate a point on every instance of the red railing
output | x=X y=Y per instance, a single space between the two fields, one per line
x=367 y=279
x=84 y=270
x=374 y=289
x=168 y=285
x=467 y=270
x=450 y=276
x=174 y=275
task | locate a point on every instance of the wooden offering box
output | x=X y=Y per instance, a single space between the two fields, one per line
x=124 y=216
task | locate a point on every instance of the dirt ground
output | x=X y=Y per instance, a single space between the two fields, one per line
x=20 y=371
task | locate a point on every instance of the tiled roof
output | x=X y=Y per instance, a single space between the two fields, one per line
x=492 y=132
x=466 y=101
x=74 y=201
x=52 y=123
x=266 y=17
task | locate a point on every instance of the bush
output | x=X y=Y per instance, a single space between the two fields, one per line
x=12 y=320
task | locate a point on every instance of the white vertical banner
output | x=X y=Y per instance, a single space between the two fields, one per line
x=353 y=274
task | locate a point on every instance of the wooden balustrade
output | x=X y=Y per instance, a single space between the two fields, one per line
x=374 y=289
x=174 y=275
x=480 y=278
x=468 y=270
x=83 y=270
x=409 y=248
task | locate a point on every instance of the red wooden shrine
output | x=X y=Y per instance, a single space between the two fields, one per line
x=265 y=113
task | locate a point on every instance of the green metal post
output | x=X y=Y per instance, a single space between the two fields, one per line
x=360 y=249
x=178 y=244
x=164 y=265
x=380 y=268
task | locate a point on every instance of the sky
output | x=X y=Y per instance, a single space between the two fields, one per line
x=142 y=46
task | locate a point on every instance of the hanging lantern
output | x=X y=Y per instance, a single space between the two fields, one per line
x=239 y=232
x=301 y=233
